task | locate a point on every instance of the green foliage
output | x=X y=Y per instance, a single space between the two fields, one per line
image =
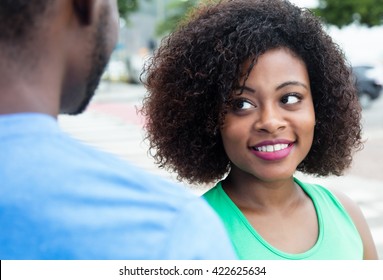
x=176 y=12
x=344 y=12
x=125 y=7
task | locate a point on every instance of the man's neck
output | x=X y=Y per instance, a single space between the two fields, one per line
x=21 y=93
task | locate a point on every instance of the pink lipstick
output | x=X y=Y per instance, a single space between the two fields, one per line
x=272 y=150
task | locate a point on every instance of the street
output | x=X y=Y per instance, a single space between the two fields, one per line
x=111 y=123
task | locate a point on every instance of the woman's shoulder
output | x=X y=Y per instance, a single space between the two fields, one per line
x=316 y=191
x=351 y=208
x=360 y=222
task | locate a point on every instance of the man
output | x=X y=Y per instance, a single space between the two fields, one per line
x=60 y=199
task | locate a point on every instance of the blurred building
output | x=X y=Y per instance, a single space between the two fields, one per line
x=136 y=42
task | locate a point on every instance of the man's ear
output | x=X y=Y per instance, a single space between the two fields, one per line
x=85 y=10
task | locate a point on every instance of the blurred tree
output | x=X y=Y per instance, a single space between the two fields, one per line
x=344 y=12
x=176 y=10
x=126 y=7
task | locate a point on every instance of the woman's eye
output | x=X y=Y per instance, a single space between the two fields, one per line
x=290 y=99
x=241 y=104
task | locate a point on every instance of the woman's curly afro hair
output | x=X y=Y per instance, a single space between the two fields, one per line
x=196 y=69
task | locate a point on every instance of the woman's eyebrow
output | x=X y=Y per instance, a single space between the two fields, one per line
x=246 y=88
x=291 y=83
x=285 y=84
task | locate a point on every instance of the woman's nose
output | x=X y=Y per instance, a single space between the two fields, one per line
x=270 y=119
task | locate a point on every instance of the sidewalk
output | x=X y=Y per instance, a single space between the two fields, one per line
x=112 y=124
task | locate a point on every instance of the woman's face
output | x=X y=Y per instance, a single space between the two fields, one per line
x=269 y=128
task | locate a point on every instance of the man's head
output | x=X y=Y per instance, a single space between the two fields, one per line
x=58 y=49
x=99 y=46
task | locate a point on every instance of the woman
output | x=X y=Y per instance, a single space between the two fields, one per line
x=243 y=95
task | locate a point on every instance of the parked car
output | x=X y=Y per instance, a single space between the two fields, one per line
x=368 y=83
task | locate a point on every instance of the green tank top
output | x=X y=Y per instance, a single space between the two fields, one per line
x=338 y=237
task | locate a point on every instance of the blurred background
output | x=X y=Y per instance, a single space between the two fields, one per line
x=356 y=25
x=112 y=123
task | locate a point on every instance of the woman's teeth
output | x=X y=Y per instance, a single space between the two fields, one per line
x=271 y=148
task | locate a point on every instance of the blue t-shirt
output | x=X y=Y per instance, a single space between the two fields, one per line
x=60 y=199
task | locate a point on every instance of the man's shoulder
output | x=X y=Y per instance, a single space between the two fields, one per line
x=86 y=196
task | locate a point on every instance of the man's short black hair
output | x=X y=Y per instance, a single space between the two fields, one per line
x=19 y=17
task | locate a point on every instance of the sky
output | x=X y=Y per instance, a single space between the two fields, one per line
x=305 y=3
x=361 y=45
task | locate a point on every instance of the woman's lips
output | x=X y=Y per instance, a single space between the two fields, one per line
x=269 y=151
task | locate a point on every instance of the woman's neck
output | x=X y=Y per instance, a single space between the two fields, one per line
x=250 y=192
